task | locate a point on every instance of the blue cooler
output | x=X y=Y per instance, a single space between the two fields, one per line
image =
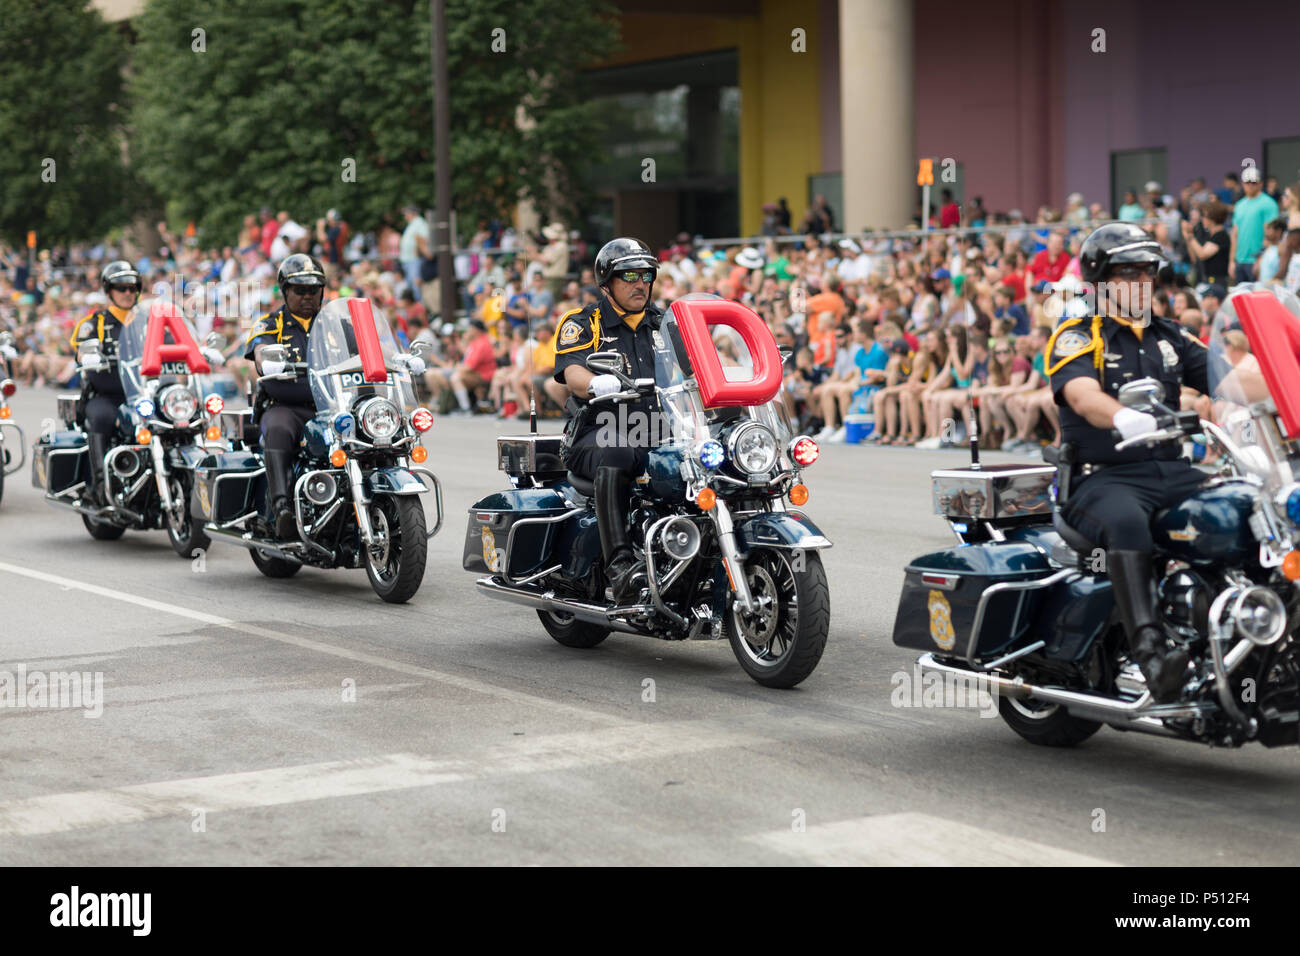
x=858 y=427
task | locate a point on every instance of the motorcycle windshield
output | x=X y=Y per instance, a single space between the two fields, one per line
x=679 y=398
x=334 y=362
x=130 y=356
x=1255 y=381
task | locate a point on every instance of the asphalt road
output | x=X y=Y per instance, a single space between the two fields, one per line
x=251 y=721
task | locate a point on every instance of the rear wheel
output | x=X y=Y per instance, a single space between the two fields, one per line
x=272 y=566
x=186 y=534
x=571 y=632
x=1048 y=725
x=395 y=561
x=102 y=530
x=780 y=643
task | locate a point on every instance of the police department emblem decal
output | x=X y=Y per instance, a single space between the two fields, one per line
x=941 y=630
x=490 y=555
x=1067 y=343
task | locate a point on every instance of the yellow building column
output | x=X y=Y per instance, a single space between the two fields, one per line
x=876 y=96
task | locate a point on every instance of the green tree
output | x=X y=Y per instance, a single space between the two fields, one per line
x=61 y=109
x=308 y=104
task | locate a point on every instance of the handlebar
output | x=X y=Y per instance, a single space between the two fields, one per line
x=639 y=387
x=1175 y=426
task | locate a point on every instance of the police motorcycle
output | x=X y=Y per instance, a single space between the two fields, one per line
x=356 y=479
x=1022 y=608
x=162 y=428
x=723 y=554
x=7 y=390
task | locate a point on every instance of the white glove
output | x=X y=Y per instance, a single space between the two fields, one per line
x=8 y=351
x=215 y=358
x=1130 y=423
x=271 y=367
x=413 y=362
x=605 y=385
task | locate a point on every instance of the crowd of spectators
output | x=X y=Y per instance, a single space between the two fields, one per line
x=898 y=332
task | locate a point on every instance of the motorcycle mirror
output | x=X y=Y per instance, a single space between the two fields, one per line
x=786 y=351
x=275 y=353
x=215 y=340
x=6 y=338
x=88 y=348
x=610 y=363
x=420 y=348
x=1144 y=393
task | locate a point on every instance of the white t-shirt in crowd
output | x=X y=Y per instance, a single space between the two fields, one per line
x=290 y=232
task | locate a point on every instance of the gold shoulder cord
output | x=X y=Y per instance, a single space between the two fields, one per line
x=1096 y=346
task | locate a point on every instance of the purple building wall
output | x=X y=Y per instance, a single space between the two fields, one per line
x=1012 y=90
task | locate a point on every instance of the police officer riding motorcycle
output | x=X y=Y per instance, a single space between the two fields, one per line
x=1118 y=489
x=623 y=319
x=283 y=408
x=101 y=390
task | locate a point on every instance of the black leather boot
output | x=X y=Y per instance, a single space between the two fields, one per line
x=613 y=492
x=1163 y=664
x=279 y=466
x=97 y=445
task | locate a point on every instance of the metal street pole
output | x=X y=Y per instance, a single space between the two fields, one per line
x=442 y=159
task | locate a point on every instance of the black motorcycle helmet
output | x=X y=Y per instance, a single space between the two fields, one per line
x=1115 y=243
x=619 y=254
x=120 y=273
x=300 y=269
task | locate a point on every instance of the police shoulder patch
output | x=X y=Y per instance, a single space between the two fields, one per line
x=570 y=332
x=262 y=326
x=1071 y=341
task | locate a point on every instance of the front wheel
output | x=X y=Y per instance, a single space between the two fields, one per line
x=1048 y=725
x=395 y=560
x=780 y=643
x=186 y=534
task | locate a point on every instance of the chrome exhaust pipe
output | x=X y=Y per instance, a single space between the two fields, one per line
x=106 y=513
x=252 y=544
x=1135 y=713
x=547 y=601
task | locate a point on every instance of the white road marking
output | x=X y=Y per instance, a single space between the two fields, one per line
x=58 y=813
x=916 y=839
x=360 y=657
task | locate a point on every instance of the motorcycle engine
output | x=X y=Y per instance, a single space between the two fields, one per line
x=1184 y=600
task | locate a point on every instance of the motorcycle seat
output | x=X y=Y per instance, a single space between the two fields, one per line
x=584 y=487
x=1081 y=544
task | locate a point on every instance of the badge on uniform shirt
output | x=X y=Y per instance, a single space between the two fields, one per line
x=659 y=339
x=569 y=334
x=1170 y=356
x=1067 y=343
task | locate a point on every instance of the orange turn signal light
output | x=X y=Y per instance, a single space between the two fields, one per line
x=6 y=412
x=143 y=436
x=213 y=433
x=419 y=454
x=799 y=495
x=706 y=499
x=1291 y=565
x=338 y=458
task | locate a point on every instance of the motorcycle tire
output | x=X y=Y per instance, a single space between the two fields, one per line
x=798 y=582
x=397 y=573
x=569 y=631
x=190 y=536
x=274 y=567
x=102 y=530
x=1045 y=725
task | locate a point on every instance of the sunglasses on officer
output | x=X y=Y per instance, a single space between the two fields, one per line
x=302 y=290
x=1136 y=270
x=630 y=277
x=133 y=289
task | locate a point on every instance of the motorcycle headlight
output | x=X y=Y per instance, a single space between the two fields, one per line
x=1260 y=616
x=753 y=448
x=178 y=403
x=379 y=418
